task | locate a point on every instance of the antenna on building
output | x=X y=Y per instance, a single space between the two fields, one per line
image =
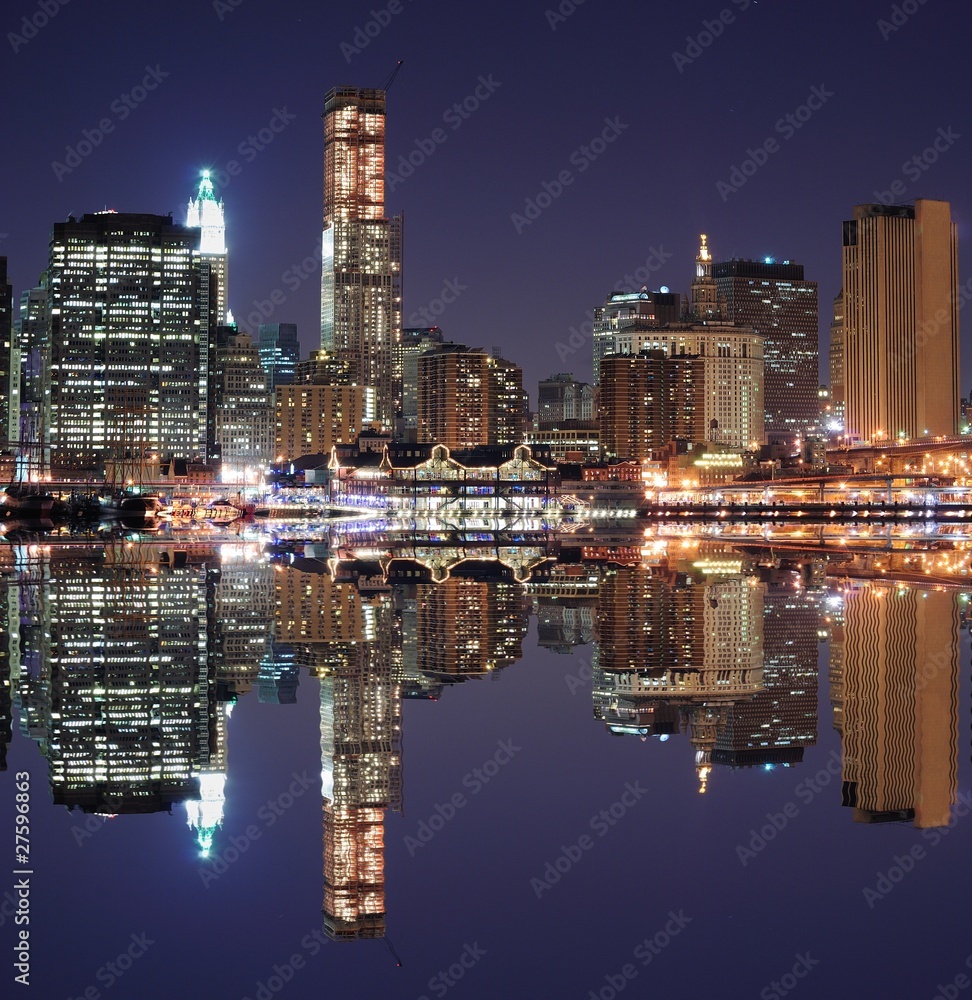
x=391 y=79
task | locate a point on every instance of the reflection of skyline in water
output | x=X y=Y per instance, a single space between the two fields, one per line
x=123 y=663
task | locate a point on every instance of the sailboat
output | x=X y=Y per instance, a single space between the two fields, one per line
x=24 y=498
x=125 y=501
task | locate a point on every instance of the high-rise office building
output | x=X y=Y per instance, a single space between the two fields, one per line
x=838 y=404
x=205 y=213
x=129 y=343
x=467 y=397
x=32 y=330
x=901 y=321
x=415 y=341
x=279 y=352
x=361 y=279
x=627 y=311
x=243 y=412
x=323 y=368
x=774 y=300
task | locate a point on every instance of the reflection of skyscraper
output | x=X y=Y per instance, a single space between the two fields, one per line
x=899 y=691
x=689 y=638
x=205 y=813
x=777 y=723
x=124 y=680
x=242 y=596
x=344 y=633
x=361 y=274
x=279 y=676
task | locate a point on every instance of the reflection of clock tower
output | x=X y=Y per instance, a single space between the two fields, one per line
x=705 y=293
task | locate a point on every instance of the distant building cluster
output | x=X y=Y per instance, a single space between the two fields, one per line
x=127 y=350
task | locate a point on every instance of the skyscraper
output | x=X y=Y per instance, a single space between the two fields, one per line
x=279 y=352
x=901 y=322
x=9 y=363
x=129 y=341
x=415 y=341
x=32 y=342
x=838 y=395
x=630 y=312
x=361 y=279
x=774 y=300
x=243 y=415
x=206 y=214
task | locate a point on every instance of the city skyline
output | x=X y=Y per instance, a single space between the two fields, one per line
x=271 y=184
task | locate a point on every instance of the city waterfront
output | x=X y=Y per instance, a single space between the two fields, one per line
x=363 y=749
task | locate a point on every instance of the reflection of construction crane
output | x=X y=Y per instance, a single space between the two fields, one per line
x=394 y=73
x=388 y=943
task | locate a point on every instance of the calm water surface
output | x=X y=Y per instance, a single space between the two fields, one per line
x=489 y=766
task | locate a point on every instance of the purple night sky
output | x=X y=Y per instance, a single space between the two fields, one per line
x=224 y=70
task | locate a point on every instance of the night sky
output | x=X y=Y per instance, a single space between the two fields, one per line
x=885 y=85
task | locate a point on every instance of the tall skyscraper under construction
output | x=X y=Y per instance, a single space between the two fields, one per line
x=361 y=274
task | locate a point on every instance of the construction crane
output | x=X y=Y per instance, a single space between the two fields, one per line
x=394 y=73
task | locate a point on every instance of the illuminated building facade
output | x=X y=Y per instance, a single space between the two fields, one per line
x=129 y=341
x=205 y=213
x=311 y=419
x=648 y=399
x=9 y=364
x=361 y=280
x=242 y=410
x=323 y=368
x=777 y=303
x=32 y=336
x=901 y=321
x=415 y=341
x=838 y=395
x=622 y=310
x=279 y=352
x=467 y=398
